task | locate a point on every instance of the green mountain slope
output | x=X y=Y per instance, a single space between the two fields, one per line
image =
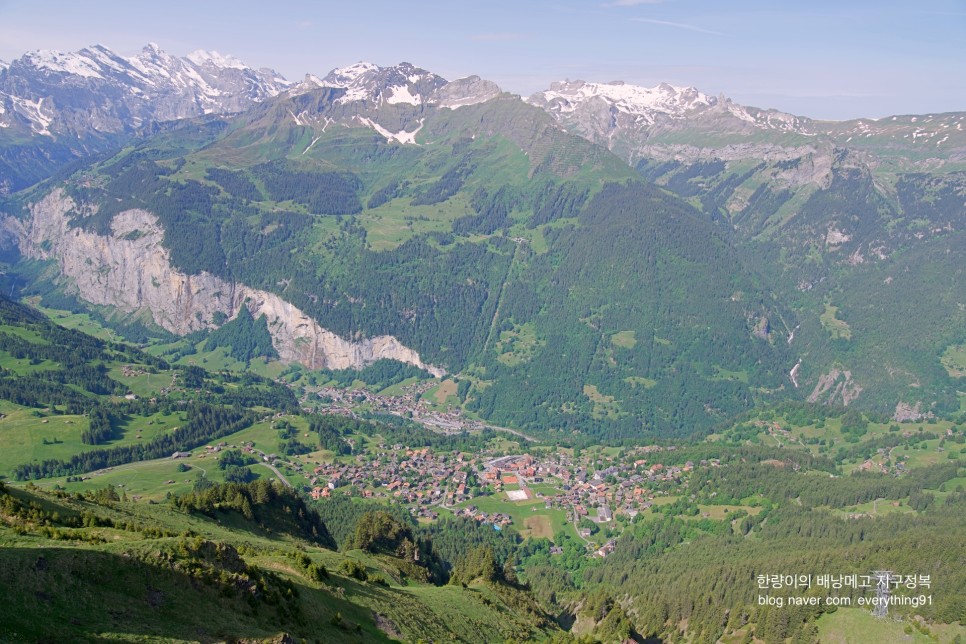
x=850 y=241
x=643 y=319
x=492 y=221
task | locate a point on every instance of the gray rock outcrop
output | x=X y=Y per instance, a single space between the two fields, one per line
x=131 y=270
x=465 y=91
x=835 y=387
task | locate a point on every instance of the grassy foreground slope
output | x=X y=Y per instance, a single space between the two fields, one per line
x=97 y=568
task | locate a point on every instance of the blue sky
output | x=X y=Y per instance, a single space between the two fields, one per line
x=822 y=59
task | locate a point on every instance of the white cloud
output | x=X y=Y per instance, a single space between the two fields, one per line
x=677 y=25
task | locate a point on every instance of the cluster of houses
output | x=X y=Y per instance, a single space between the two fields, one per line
x=408 y=403
x=417 y=477
x=623 y=487
x=342 y=401
x=430 y=482
x=513 y=472
x=593 y=491
x=496 y=519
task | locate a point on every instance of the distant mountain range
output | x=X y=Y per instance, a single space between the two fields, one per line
x=646 y=117
x=95 y=90
x=84 y=101
x=598 y=257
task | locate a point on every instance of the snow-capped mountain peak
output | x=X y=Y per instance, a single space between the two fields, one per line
x=627 y=118
x=307 y=84
x=202 y=57
x=402 y=83
x=346 y=76
x=645 y=102
x=51 y=61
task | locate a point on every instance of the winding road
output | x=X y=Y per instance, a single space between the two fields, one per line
x=277 y=473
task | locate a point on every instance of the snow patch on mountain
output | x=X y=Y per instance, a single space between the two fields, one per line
x=193 y=77
x=33 y=111
x=307 y=84
x=105 y=59
x=741 y=113
x=400 y=137
x=401 y=94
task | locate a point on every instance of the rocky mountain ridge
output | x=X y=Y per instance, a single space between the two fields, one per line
x=682 y=123
x=646 y=103
x=390 y=100
x=96 y=90
x=59 y=108
x=81 y=102
x=620 y=115
x=402 y=83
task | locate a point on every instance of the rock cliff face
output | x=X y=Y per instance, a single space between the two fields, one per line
x=465 y=91
x=906 y=412
x=835 y=387
x=131 y=271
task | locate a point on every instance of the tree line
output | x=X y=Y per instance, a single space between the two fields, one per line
x=205 y=423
